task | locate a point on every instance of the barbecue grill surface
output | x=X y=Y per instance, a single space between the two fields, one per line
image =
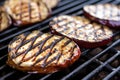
x=102 y=63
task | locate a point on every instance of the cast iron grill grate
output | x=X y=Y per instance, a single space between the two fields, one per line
x=102 y=63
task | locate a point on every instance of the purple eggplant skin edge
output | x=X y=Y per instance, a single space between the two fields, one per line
x=110 y=23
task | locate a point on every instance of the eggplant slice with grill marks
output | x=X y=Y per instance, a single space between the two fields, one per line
x=84 y=32
x=106 y=14
x=26 y=12
x=42 y=52
x=5 y=20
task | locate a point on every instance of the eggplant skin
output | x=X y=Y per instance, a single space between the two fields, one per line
x=42 y=53
x=86 y=44
x=115 y=24
x=85 y=33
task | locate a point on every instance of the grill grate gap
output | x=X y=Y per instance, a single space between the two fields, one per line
x=99 y=76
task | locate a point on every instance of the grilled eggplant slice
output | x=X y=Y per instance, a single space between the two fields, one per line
x=26 y=12
x=42 y=52
x=84 y=32
x=5 y=20
x=106 y=14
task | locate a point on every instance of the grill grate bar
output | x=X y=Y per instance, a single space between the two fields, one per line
x=89 y=61
x=112 y=73
x=3 y=66
x=3 y=47
x=64 y=3
x=3 y=57
x=116 y=2
x=107 y=65
x=116 y=33
x=76 y=2
x=45 y=77
x=26 y=76
x=8 y=31
x=79 y=7
x=86 y=51
x=5 y=76
x=100 y=67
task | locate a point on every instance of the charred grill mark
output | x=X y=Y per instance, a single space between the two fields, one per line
x=30 y=47
x=55 y=22
x=72 y=50
x=103 y=31
x=40 y=50
x=51 y=47
x=71 y=32
x=61 y=26
x=17 y=48
x=80 y=28
x=60 y=54
x=27 y=41
x=21 y=10
x=111 y=11
x=86 y=36
x=41 y=46
x=14 y=39
x=26 y=10
x=58 y=21
x=39 y=11
x=46 y=57
x=53 y=59
x=58 y=57
x=0 y=20
x=23 y=42
x=36 y=54
x=29 y=9
x=66 y=43
x=65 y=29
x=96 y=37
x=95 y=34
x=49 y=10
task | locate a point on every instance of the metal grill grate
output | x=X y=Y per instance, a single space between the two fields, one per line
x=102 y=63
